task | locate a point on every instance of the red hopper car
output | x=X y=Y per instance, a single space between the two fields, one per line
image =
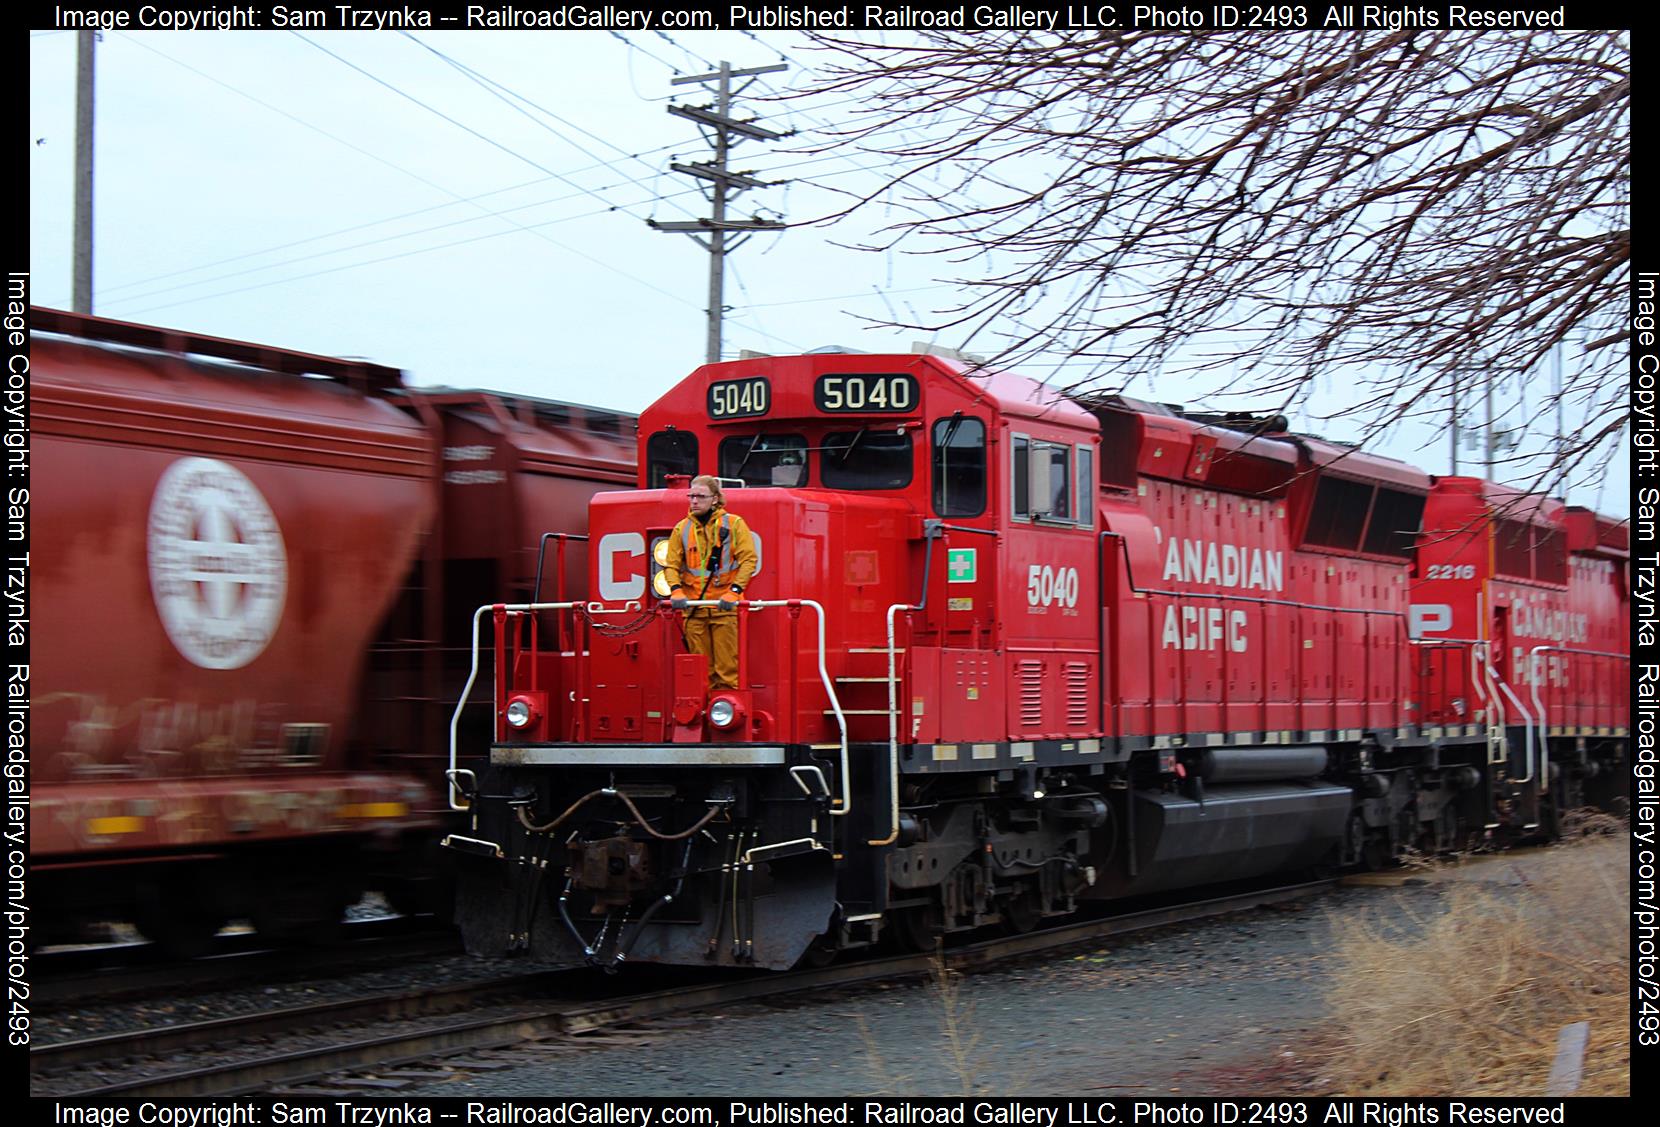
x=240 y=559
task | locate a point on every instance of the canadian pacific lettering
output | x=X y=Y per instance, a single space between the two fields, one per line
x=1224 y=565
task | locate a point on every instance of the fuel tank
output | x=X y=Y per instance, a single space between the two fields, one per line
x=1233 y=832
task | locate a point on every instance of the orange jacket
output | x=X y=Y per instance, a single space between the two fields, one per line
x=691 y=544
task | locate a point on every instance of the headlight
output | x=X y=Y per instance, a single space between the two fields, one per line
x=519 y=712
x=722 y=712
x=660 y=560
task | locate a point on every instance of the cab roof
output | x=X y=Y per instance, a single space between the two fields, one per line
x=792 y=378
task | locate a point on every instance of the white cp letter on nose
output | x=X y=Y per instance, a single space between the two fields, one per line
x=612 y=545
x=1428 y=618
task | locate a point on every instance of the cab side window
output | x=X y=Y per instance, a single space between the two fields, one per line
x=959 y=466
x=1042 y=482
x=1058 y=505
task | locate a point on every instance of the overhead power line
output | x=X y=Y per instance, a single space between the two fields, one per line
x=296 y=260
x=512 y=97
x=518 y=228
x=463 y=126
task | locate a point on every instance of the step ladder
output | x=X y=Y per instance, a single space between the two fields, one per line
x=863 y=692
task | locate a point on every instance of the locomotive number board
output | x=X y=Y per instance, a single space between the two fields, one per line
x=865 y=394
x=739 y=399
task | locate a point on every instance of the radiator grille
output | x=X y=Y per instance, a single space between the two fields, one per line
x=1030 y=675
x=1077 y=695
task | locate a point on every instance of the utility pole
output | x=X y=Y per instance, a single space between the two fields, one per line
x=82 y=273
x=1474 y=436
x=723 y=133
x=1487 y=436
x=1452 y=420
x=1560 y=445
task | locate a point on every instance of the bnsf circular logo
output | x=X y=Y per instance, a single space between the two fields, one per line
x=217 y=567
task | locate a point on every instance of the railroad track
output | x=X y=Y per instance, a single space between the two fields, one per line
x=342 y=1037
x=128 y=971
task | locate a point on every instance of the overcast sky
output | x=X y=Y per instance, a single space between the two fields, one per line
x=470 y=207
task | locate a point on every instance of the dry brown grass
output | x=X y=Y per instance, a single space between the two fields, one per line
x=1470 y=1002
x=961 y=1061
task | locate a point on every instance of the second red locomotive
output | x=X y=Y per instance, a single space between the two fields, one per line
x=1006 y=651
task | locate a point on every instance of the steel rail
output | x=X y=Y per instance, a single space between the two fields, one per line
x=219 y=1031
x=528 y=1022
x=238 y=959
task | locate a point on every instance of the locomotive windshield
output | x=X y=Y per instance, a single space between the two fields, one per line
x=867 y=458
x=871 y=457
x=765 y=459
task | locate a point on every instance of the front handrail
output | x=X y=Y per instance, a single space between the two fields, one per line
x=1481 y=678
x=1529 y=738
x=472 y=675
x=838 y=807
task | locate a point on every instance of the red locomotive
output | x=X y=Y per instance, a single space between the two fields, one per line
x=242 y=559
x=1006 y=651
x=1520 y=613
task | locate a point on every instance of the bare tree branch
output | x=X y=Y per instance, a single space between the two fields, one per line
x=1402 y=211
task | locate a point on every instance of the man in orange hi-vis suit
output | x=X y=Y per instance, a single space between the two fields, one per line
x=711 y=556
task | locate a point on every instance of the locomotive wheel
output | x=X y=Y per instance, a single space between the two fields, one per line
x=916 y=929
x=822 y=951
x=178 y=918
x=1363 y=848
x=1449 y=830
x=1021 y=911
x=819 y=953
x=1550 y=813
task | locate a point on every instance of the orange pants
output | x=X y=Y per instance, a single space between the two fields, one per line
x=715 y=632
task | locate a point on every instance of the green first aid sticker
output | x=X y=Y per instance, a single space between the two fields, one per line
x=959 y=565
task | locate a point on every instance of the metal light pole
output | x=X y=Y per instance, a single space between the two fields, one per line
x=82 y=274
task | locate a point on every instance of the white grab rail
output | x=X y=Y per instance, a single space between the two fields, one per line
x=472 y=675
x=839 y=806
x=893 y=731
x=1538 y=703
